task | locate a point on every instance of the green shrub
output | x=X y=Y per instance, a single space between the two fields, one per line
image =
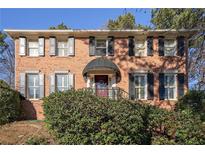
x=36 y=141
x=78 y=117
x=170 y=127
x=195 y=101
x=162 y=140
x=160 y=125
x=9 y=103
x=191 y=129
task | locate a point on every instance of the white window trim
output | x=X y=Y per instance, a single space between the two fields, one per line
x=65 y=48
x=32 y=72
x=175 y=47
x=145 y=75
x=28 y=48
x=96 y=39
x=27 y=91
x=175 y=85
x=145 y=47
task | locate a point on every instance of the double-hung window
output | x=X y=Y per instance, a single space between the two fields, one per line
x=170 y=47
x=140 y=86
x=101 y=47
x=33 y=87
x=170 y=86
x=62 y=82
x=62 y=48
x=33 y=48
x=139 y=47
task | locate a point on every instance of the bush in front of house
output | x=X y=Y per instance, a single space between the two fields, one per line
x=191 y=129
x=160 y=125
x=36 y=141
x=9 y=103
x=78 y=117
x=181 y=127
x=195 y=101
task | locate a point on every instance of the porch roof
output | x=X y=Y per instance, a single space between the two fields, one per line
x=101 y=63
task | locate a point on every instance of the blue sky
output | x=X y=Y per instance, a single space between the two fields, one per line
x=75 y=18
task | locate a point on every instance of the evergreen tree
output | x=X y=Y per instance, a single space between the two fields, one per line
x=61 y=26
x=125 y=21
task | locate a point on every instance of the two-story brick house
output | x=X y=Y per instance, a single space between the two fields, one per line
x=148 y=65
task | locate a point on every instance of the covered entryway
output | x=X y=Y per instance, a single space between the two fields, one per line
x=101 y=85
x=102 y=75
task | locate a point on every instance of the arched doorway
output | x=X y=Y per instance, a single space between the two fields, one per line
x=102 y=75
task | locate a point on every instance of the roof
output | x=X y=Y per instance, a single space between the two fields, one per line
x=79 y=32
x=101 y=63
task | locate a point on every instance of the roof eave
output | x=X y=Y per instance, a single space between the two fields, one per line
x=17 y=32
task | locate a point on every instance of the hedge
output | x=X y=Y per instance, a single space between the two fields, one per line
x=9 y=103
x=195 y=101
x=181 y=127
x=78 y=117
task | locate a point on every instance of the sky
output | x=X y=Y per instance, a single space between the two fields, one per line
x=74 y=18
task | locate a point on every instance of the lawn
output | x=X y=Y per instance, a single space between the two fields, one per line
x=21 y=132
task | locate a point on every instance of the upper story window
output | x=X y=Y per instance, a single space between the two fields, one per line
x=170 y=47
x=33 y=87
x=33 y=48
x=62 y=48
x=101 y=47
x=170 y=86
x=139 y=47
x=62 y=82
x=140 y=86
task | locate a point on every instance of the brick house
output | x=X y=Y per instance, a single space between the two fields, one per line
x=150 y=66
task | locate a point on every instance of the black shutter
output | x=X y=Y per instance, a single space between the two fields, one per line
x=150 y=46
x=91 y=45
x=161 y=46
x=180 y=84
x=161 y=86
x=180 y=46
x=110 y=45
x=131 y=45
x=131 y=86
x=150 y=87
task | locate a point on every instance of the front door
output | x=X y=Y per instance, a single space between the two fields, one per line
x=101 y=84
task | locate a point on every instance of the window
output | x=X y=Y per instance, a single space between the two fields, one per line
x=33 y=88
x=101 y=47
x=170 y=47
x=62 y=48
x=33 y=48
x=139 y=48
x=140 y=86
x=170 y=86
x=62 y=82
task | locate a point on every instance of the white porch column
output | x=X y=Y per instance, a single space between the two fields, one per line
x=114 y=85
x=113 y=81
x=88 y=82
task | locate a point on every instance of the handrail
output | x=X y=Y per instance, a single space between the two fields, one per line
x=111 y=93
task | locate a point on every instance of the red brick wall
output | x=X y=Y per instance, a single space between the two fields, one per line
x=49 y=64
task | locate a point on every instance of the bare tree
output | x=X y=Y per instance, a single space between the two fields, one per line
x=7 y=61
x=189 y=18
